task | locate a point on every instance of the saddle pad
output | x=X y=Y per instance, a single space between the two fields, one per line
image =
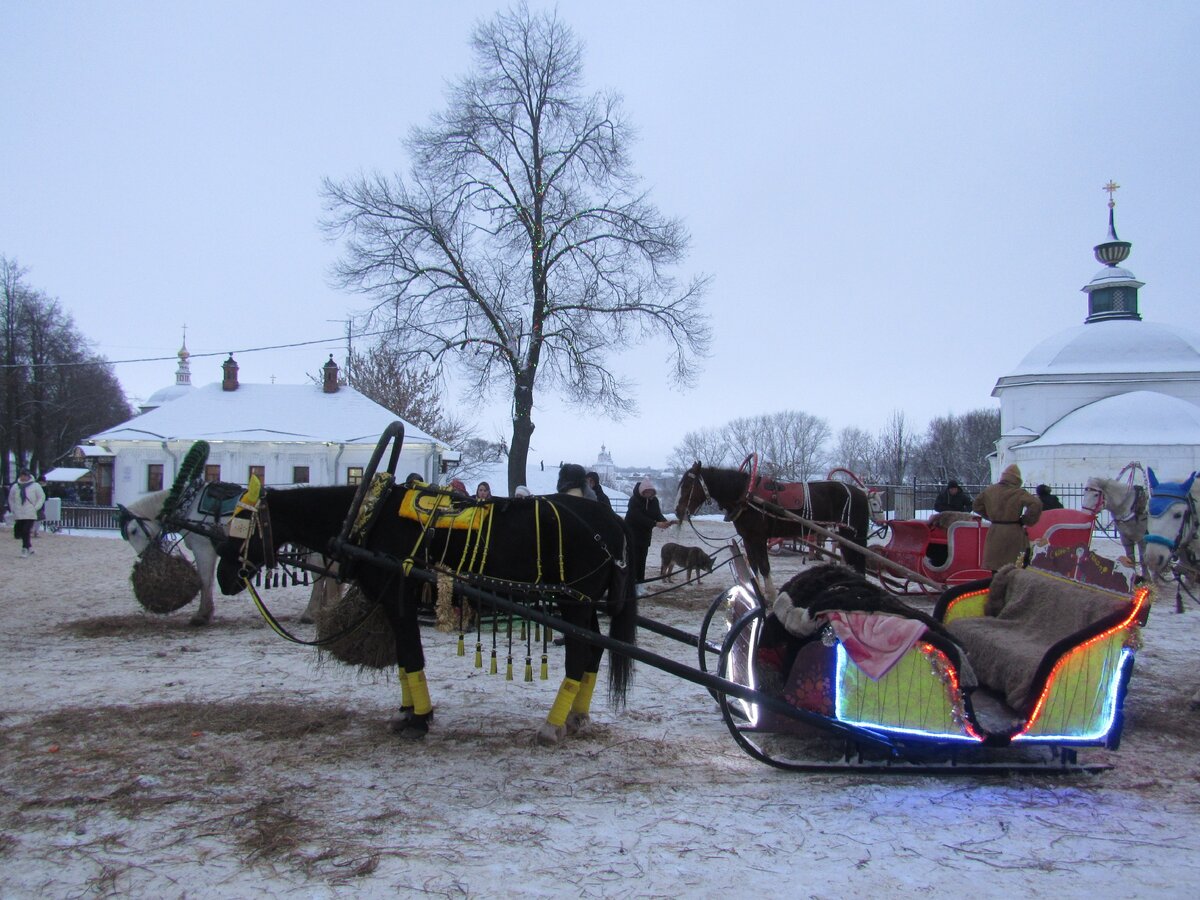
x=438 y=508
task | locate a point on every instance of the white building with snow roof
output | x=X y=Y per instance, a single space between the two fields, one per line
x=317 y=434
x=1090 y=399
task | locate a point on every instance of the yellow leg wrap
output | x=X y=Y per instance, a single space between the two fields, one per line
x=420 y=693
x=583 y=700
x=405 y=693
x=567 y=692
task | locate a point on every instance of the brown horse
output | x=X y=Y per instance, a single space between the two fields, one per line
x=836 y=505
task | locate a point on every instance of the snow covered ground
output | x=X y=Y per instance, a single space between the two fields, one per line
x=143 y=757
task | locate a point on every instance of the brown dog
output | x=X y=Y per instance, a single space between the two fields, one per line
x=689 y=559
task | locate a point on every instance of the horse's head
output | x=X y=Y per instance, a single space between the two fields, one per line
x=1093 y=496
x=875 y=502
x=692 y=492
x=139 y=530
x=1172 y=521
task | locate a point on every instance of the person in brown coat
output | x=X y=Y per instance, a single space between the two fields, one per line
x=1010 y=509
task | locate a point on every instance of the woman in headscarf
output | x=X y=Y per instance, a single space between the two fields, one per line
x=593 y=481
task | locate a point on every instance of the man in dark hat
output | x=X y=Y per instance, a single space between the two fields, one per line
x=572 y=479
x=952 y=498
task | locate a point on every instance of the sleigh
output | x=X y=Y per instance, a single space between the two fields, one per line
x=948 y=550
x=1040 y=677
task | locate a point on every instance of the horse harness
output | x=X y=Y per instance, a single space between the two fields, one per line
x=474 y=555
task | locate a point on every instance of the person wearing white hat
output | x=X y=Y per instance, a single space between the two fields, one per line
x=643 y=516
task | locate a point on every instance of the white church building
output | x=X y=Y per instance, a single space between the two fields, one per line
x=315 y=434
x=1114 y=390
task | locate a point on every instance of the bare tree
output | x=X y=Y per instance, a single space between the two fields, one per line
x=856 y=450
x=709 y=446
x=56 y=391
x=791 y=444
x=957 y=446
x=384 y=374
x=895 y=446
x=521 y=245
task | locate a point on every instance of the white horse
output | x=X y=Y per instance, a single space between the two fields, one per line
x=1173 y=529
x=1127 y=503
x=141 y=526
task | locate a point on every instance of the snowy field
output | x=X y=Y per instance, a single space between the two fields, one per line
x=143 y=757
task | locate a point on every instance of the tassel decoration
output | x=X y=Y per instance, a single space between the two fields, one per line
x=545 y=667
x=462 y=647
x=529 y=668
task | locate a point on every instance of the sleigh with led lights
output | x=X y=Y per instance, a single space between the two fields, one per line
x=1021 y=673
x=928 y=556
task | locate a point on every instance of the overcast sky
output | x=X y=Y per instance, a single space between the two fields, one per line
x=895 y=201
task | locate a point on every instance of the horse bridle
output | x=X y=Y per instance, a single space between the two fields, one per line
x=258 y=523
x=126 y=515
x=696 y=479
x=1190 y=520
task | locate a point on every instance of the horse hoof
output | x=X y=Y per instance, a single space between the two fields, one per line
x=576 y=722
x=410 y=725
x=551 y=735
x=199 y=620
x=306 y=620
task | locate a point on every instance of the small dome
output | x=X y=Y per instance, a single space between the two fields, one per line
x=1118 y=346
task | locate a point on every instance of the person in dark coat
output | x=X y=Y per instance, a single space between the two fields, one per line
x=952 y=498
x=593 y=482
x=642 y=517
x=1049 y=501
x=1010 y=509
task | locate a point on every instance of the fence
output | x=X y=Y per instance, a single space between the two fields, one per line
x=95 y=518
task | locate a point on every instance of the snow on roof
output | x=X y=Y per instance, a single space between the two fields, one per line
x=1123 y=345
x=66 y=474
x=89 y=450
x=1137 y=418
x=302 y=413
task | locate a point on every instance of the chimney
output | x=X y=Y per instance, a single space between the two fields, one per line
x=330 y=371
x=230 y=369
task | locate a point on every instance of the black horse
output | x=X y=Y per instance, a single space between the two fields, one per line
x=836 y=505
x=561 y=550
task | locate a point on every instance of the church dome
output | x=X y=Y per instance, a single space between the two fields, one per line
x=1146 y=417
x=167 y=394
x=1117 y=346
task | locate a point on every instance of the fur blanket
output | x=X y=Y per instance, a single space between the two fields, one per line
x=875 y=627
x=945 y=519
x=1028 y=612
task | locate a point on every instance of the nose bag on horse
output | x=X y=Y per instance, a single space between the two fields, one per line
x=561 y=551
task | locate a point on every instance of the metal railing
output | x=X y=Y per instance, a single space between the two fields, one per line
x=95 y=518
x=904 y=501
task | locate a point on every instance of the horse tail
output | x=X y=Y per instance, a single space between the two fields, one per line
x=623 y=614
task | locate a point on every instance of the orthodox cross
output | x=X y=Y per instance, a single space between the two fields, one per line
x=1111 y=187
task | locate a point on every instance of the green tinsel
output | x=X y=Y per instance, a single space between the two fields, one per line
x=191 y=468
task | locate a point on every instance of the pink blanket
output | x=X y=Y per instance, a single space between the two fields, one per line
x=875 y=642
